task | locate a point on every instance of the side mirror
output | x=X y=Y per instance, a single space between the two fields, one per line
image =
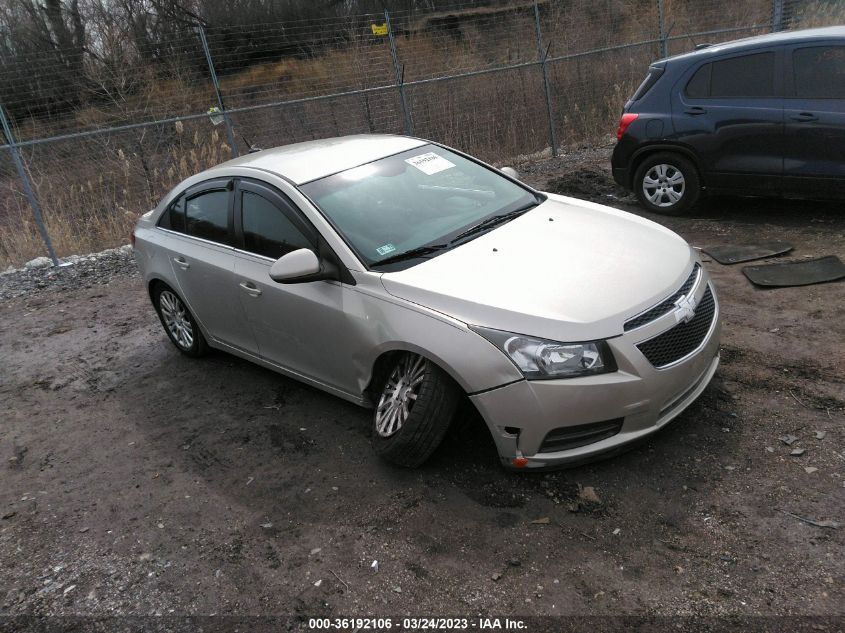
x=510 y=171
x=297 y=267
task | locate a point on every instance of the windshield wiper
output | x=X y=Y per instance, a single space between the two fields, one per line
x=492 y=221
x=419 y=251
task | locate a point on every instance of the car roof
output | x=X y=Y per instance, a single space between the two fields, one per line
x=782 y=37
x=304 y=162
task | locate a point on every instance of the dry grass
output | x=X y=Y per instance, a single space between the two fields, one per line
x=92 y=204
x=92 y=190
x=821 y=13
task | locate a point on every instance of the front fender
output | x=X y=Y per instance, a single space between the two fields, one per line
x=387 y=324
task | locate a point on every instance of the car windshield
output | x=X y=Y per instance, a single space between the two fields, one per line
x=423 y=197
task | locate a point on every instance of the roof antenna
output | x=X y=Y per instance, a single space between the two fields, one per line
x=252 y=148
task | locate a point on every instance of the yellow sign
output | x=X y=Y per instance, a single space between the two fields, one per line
x=379 y=29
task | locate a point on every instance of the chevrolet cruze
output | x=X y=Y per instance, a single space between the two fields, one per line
x=403 y=276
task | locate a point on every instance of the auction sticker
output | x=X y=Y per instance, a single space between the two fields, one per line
x=384 y=250
x=429 y=163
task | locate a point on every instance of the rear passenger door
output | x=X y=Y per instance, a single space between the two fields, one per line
x=200 y=223
x=814 y=162
x=730 y=111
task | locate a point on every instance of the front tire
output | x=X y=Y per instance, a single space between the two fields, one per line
x=414 y=411
x=667 y=183
x=178 y=322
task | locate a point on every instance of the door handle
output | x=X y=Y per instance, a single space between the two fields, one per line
x=804 y=116
x=181 y=262
x=695 y=110
x=250 y=288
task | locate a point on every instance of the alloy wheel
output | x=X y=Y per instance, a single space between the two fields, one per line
x=176 y=319
x=400 y=392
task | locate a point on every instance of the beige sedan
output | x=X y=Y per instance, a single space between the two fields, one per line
x=404 y=276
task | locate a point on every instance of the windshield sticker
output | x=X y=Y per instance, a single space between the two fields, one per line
x=429 y=163
x=384 y=250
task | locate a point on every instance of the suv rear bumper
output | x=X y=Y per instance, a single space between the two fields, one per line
x=622 y=177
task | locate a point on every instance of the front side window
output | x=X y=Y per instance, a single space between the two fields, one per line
x=420 y=197
x=745 y=76
x=267 y=230
x=819 y=72
x=207 y=216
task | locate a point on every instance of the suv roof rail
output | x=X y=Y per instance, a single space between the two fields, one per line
x=698 y=47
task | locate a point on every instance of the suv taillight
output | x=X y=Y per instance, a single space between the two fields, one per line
x=624 y=122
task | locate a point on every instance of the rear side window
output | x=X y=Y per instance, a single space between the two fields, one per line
x=744 y=76
x=207 y=216
x=174 y=217
x=267 y=230
x=699 y=86
x=819 y=72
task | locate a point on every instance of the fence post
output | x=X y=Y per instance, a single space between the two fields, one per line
x=661 y=24
x=226 y=119
x=400 y=75
x=777 y=15
x=543 y=55
x=27 y=186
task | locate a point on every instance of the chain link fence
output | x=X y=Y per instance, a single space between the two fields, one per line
x=497 y=81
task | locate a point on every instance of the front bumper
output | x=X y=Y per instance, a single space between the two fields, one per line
x=521 y=415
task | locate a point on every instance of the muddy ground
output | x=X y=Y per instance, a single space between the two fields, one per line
x=135 y=481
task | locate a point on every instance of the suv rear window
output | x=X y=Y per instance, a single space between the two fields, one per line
x=651 y=78
x=819 y=72
x=743 y=76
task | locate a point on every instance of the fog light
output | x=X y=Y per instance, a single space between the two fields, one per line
x=519 y=462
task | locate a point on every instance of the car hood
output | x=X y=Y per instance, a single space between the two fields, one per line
x=566 y=270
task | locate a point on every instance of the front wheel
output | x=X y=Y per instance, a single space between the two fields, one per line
x=667 y=183
x=414 y=410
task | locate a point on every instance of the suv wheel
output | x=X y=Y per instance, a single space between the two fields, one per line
x=667 y=183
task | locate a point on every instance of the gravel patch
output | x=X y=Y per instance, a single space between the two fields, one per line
x=77 y=271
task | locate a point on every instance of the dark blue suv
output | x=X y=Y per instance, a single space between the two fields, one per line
x=759 y=116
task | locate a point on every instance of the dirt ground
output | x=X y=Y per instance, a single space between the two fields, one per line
x=135 y=481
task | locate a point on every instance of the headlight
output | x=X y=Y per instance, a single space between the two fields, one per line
x=539 y=358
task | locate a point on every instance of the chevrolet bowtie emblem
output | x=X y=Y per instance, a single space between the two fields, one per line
x=685 y=309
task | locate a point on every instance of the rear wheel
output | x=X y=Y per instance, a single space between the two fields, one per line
x=414 y=410
x=667 y=183
x=178 y=322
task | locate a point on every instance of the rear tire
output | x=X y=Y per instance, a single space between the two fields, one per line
x=415 y=408
x=178 y=322
x=667 y=183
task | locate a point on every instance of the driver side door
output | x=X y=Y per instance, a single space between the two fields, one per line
x=299 y=327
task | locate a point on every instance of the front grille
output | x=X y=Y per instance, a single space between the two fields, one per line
x=569 y=437
x=664 y=306
x=684 y=338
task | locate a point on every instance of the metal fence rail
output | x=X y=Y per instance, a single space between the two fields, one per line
x=497 y=81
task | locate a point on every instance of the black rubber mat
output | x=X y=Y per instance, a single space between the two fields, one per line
x=811 y=271
x=735 y=253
